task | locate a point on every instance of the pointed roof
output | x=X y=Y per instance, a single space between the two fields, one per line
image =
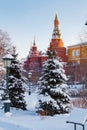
x=56 y=32
x=56 y=17
x=34 y=43
x=56 y=21
x=56 y=40
x=34 y=50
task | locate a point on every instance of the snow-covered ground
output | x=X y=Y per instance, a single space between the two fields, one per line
x=29 y=120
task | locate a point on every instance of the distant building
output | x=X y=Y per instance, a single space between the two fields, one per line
x=77 y=53
x=34 y=62
x=77 y=62
x=75 y=59
x=36 y=58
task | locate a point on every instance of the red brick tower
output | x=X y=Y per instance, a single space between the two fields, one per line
x=57 y=42
x=34 y=62
x=34 y=51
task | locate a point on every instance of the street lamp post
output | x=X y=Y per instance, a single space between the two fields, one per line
x=29 y=76
x=83 y=125
x=7 y=61
x=86 y=23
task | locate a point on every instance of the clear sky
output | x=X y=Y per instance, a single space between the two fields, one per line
x=24 y=19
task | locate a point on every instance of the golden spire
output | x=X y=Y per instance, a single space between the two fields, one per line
x=56 y=32
x=56 y=21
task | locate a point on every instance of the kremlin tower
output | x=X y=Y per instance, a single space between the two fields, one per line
x=35 y=58
x=34 y=51
x=34 y=62
x=57 y=42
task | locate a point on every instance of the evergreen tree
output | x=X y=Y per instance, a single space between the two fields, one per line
x=53 y=96
x=15 y=84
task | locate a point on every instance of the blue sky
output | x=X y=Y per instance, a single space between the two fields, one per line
x=24 y=19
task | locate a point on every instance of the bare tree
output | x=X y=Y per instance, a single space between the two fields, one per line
x=5 y=44
x=5 y=47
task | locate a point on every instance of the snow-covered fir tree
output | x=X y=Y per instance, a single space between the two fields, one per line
x=53 y=96
x=16 y=84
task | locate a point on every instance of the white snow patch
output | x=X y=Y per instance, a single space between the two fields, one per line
x=8 y=114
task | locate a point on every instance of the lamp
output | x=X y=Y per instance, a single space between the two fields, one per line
x=86 y=23
x=7 y=61
x=29 y=76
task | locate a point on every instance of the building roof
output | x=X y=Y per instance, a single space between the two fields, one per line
x=76 y=45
